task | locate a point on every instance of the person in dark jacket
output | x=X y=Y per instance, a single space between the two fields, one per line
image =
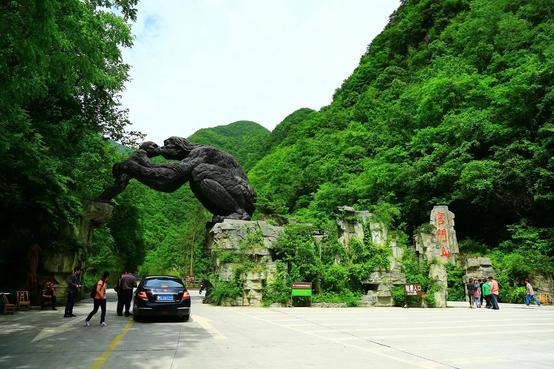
x=73 y=284
x=470 y=286
x=125 y=292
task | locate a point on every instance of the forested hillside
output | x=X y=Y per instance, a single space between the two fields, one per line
x=244 y=140
x=451 y=104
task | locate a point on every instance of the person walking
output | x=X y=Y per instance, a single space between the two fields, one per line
x=73 y=284
x=495 y=290
x=205 y=285
x=470 y=286
x=477 y=293
x=125 y=292
x=99 y=301
x=530 y=294
x=486 y=291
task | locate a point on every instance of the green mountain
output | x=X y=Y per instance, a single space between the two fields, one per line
x=451 y=104
x=284 y=130
x=244 y=140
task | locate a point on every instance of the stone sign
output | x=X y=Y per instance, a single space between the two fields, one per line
x=437 y=243
x=445 y=242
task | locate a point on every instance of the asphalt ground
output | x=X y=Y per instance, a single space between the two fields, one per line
x=515 y=336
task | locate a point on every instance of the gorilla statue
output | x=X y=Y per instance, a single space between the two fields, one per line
x=215 y=178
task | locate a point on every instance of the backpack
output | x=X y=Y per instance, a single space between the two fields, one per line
x=92 y=293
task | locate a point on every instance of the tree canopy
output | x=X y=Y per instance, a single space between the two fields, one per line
x=60 y=75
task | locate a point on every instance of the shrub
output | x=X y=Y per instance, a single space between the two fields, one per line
x=456 y=291
x=278 y=288
x=225 y=290
x=515 y=295
x=345 y=296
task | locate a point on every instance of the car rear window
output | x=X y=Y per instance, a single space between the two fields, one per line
x=162 y=283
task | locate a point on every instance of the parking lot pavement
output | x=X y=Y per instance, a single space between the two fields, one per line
x=515 y=336
x=243 y=337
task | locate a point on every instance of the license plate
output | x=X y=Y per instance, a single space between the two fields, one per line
x=165 y=298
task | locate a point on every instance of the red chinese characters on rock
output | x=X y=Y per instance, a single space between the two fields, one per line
x=442 y=235
x=440 y=219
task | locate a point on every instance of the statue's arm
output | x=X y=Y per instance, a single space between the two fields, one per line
x=166 y=177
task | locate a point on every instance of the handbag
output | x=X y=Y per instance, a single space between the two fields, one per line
x=117 y=288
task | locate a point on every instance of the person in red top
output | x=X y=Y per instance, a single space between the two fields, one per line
x=99 y=301
x=494 y=293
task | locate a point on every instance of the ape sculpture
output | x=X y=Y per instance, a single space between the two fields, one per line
x=215 y=178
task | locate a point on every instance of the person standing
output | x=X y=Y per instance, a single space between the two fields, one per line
x=530 y=294
x=470 y=289
x=205 y=285
x=99 y=301
x=477 y=293
x=486 y=290
x=73 y=284
x=481 y=282
x=495 y=290
x=125 y=293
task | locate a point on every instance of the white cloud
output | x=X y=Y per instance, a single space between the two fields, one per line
x=202 y=63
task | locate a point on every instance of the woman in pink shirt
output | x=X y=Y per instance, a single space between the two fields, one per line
x=494 y=293
x=99 y=301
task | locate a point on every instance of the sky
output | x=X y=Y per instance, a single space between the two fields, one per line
x=203 y=63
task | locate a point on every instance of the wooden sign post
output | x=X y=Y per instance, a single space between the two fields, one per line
x=301 y=289
x=413 y=289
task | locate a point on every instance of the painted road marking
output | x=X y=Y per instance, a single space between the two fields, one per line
x=426 y=328
x=389 y=352
x=457 y=334
x=62 y=328
x=205 y=323
x=115 y=342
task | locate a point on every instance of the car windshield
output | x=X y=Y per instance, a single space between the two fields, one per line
x=162 y=283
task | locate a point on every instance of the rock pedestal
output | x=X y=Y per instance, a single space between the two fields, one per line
x=437 y=243
x=232 y=240
x=438 y=274
x=352 y=225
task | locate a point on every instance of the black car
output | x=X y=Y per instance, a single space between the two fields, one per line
x=161 y=296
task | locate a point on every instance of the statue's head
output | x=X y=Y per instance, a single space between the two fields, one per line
x=151 y=148
x=176 y=148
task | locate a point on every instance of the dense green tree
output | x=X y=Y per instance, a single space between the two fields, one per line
x=60 y=77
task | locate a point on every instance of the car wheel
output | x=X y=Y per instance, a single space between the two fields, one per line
x=185 y=318
x=136 y=318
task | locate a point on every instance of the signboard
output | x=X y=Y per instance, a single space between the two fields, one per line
x=413 y=290
x=445 y=243
x=301 y=289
